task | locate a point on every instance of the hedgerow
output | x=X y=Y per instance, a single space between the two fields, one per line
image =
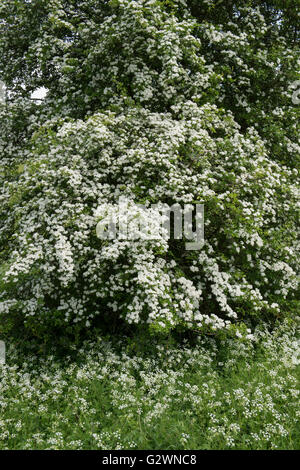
x=157 y=102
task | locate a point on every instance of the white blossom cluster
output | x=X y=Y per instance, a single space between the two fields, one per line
x=73 y=175
x=149 y=103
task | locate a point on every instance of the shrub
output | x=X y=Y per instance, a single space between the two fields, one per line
x=135 y=109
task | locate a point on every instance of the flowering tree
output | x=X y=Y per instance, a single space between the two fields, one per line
x=159 y=102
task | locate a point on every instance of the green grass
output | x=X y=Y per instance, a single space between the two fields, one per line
x=228 y=395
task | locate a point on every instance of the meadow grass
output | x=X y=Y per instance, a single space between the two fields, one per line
x=226 y=394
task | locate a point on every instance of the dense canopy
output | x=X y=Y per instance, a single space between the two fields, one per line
x=175 y=101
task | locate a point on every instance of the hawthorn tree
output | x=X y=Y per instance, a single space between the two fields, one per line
x=160 y=102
